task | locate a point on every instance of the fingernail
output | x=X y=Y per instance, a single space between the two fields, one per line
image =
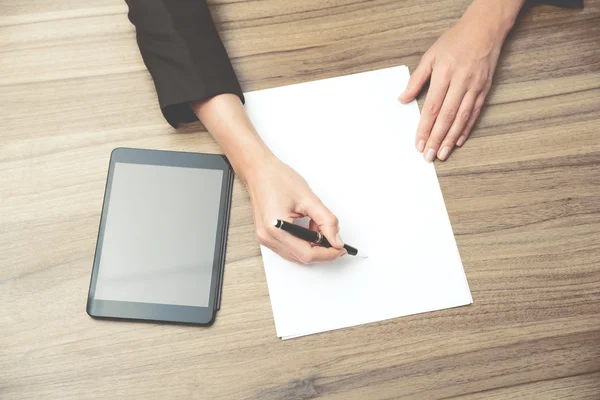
x=343 y=253
x=461 y=141
x=421 y=146
x=338 y=239
x=444 y=153
x=430 y=156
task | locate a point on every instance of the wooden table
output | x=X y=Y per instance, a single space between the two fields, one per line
x=523 y=196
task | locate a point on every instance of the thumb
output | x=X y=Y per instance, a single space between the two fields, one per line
x=417 y=80
x=327 y=222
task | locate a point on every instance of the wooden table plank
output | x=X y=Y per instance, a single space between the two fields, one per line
x=523 y=196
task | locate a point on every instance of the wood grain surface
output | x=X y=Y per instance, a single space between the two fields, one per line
x=523 y=196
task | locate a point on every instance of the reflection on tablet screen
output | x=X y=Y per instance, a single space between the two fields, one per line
x=160 y=235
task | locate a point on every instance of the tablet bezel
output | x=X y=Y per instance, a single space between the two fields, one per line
x=166 y=312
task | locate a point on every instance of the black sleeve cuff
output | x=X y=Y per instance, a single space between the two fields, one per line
x=559 y=3
x=184 y=54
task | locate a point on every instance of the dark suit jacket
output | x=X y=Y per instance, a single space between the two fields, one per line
x=185 y=56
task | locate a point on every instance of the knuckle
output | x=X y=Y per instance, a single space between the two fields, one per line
x=476 y=79
x=435 y=141
x=464 y=115
x=333 y=220
x=433 y=108
x=476 y=110
x=447 y=114
x=479 y=83
x=448 y=68
x=310 y=200
x=444 y=73
x=426 y=59
x=483 y=78
x=443 y=66
x=467 y=77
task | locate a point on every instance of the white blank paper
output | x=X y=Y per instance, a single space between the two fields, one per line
x=353 y=142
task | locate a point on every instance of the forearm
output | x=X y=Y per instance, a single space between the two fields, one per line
x=225 y=118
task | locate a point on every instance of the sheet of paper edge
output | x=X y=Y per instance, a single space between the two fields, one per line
x=333 y=77
x=373 y=322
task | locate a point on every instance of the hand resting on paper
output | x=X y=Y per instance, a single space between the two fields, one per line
x=276 y=190
x=460 y=66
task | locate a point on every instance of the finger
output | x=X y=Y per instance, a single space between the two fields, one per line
x=444 y=120
x=312 y=225
x=284 y=254
x=458 y=126
x=322 y=254
x=325 y=220
x=417 y=80
x=474 y=115
x=433 y=102
x=298 y=250
x=265 y=238
x=304 y=252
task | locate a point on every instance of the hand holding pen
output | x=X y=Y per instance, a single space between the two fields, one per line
x=311 y=236
x=277 y=191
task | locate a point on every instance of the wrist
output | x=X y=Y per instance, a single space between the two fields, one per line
x=248 y=158
x=497 y=16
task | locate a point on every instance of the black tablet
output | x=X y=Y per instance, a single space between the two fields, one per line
x=163 y=230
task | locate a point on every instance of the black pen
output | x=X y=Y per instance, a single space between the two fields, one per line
x=310 y=236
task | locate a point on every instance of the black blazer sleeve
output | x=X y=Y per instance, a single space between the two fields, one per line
x=184 y=54
x=560 y=3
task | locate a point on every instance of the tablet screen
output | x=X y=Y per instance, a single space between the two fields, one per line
x=160 y=233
